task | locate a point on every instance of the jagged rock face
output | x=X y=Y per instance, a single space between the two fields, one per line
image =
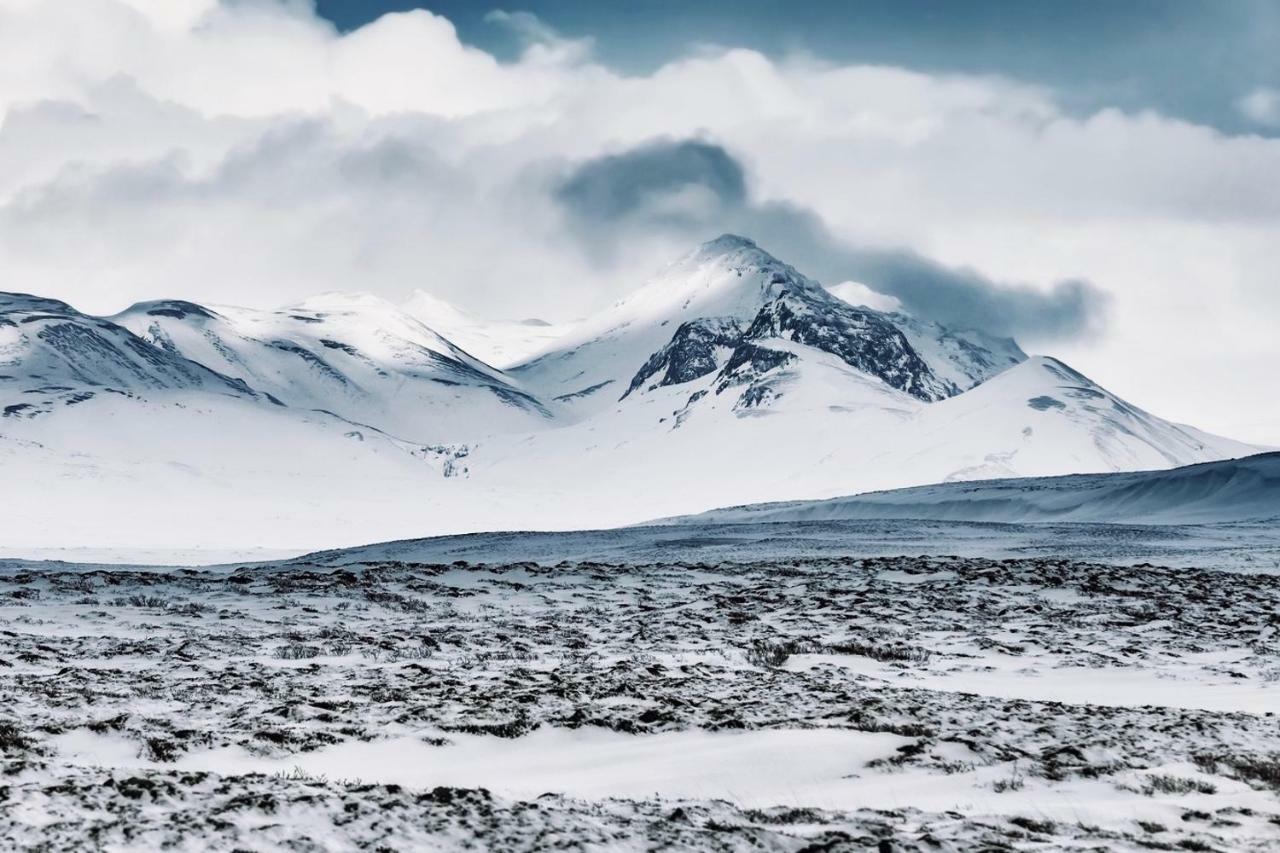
x=752 y=365
x=749 y=362
x=691 y=354
x=863 y=339
x=757 y=298
x=963 y=357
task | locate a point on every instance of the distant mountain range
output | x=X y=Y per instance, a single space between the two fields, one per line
x=729 y=378
x=356 y=356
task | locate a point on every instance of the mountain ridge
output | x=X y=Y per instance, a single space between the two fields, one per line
x=52 y=355
x=728 y=378
x=357 y=355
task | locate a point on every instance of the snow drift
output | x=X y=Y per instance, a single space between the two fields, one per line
x=1232 y=490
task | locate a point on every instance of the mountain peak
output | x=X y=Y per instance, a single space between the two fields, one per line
x=731 y=250
x=729 y=276
x=179 y=309
x=726 y=243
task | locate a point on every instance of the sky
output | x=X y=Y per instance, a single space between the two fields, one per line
x=1100 y=180
x=1187 y=58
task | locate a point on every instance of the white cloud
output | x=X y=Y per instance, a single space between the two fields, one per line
x=1261 y=106
x=251 y=153
x=857 y=293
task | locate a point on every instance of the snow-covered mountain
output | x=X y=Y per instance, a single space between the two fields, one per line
x=731 y=309
x=355 y=355
x=730 y=333
x=1042 y=417
x=730 y=378
x=110 y=440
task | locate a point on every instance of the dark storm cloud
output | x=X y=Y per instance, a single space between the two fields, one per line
x=611 y=198
x=963 y=297
x=638 y=182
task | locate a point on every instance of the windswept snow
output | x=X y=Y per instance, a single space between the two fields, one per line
x=1233 y=490
x=963 y=357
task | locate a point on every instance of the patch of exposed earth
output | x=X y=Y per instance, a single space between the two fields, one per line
x=926 y=703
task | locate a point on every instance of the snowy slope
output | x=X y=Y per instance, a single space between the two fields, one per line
x=208 y=470
x=1233 y=490
x=501 y=343
x=53 y=356
x=109 y=439
x=816 y=427
x=1042 y=417
x=355 y=355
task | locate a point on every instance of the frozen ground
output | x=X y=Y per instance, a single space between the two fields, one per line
x=811 y=703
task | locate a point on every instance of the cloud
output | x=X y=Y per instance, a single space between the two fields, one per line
x=678 y=185
x=1261 y=106
x=967 y=299
x=857 y=293
x=303 y=207
x=527 y=25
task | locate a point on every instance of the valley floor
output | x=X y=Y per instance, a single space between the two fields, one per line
x=823 y=703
